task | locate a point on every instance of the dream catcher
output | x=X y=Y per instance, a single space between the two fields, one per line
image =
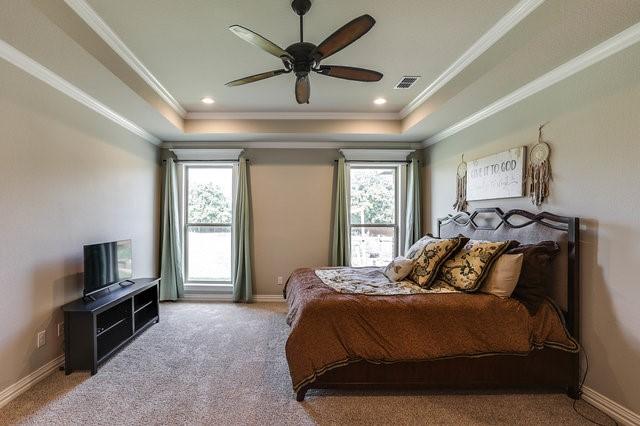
x=539 y=170
x=461 y=188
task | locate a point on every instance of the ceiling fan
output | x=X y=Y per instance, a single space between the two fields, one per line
x=301 y=58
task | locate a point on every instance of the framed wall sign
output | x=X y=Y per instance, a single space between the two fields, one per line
x=498 y=175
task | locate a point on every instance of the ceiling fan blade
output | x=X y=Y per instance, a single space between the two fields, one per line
x=344 y=36
x=349 y=73
x=256 y=77
x=303 y=89
x=259 y=41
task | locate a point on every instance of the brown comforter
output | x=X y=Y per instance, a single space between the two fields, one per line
x=330 y=329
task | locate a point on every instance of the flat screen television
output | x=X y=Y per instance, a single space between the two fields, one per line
x=106 y=264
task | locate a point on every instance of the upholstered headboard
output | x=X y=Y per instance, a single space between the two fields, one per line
x=494 y=225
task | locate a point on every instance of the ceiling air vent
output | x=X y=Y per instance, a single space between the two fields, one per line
x=407 y=81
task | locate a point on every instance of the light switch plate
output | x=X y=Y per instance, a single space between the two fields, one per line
x=42 y=339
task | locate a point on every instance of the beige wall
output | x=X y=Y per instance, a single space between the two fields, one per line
x=291 y=193
x=594 y=132
x=67 y=177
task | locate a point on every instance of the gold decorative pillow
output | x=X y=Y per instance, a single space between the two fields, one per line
x=416 y=248
x=467 y=268
x=434 y=253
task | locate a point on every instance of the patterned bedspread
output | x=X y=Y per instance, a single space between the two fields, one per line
x=372 y=281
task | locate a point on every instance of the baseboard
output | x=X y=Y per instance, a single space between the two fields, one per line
x=268 y=298
x=213 y=297
x=206 y=297
x=612 y=408
x=24 y=384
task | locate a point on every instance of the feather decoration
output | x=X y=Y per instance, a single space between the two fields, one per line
x=461 y=187
x=539 y=171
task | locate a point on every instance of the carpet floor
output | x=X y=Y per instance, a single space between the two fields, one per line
x=223 y=363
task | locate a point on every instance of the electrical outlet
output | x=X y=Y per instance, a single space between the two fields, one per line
x=279 y=281
x=42 y=339
x=60 y=329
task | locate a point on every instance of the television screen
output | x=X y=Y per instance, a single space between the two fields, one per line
x=106 y=264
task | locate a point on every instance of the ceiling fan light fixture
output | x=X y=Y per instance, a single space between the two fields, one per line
x=208 y=100
x=380 y=101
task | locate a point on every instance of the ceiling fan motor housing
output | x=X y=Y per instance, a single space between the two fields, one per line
x=301 y=7
x=302 y=57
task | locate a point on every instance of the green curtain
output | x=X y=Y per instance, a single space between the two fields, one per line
x=413 y=228
x=242 y=284
x=171 y=278
x=341 y=244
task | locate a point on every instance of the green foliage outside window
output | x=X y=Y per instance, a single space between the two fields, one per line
x=372 y=196
x=208 y=204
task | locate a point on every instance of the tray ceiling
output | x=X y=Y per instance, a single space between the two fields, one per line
x=145 y=64
x=187 y=46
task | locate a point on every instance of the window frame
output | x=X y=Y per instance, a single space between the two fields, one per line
x=399 y=169
x=206 y=286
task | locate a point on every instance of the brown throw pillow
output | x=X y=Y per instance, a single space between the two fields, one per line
x=503 y=276
x=537 y=269
x=434 y=253
x=468 y=267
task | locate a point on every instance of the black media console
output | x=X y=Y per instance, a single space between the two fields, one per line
x=95 y=330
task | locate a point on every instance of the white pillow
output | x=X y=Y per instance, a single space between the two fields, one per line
x=503 y=276
x=398 y=269
x=416 y=249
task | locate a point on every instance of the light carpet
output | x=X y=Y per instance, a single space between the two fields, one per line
x=223 y=363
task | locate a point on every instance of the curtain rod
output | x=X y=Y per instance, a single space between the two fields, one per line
x=205 y=161
x=376 y=161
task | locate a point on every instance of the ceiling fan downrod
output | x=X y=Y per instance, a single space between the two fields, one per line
x=301 y=7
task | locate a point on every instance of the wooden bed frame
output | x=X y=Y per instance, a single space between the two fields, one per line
x=546 y=369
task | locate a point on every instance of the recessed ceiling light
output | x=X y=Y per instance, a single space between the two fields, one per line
x=208 y=100
x=380 y=101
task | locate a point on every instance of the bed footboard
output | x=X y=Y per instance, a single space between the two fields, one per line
x=541 y=370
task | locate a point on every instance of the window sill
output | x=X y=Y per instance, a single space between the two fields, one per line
x=217 y=288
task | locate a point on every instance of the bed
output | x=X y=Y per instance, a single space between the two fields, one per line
x=442 y=341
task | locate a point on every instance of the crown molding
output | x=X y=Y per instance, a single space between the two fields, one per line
x=97 y=24
x=25 y=63
x=612 y=408
x=289 y=145
x=488 y=39
x=592 y=56
x=292 y=116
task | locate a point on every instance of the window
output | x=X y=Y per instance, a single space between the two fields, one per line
x=207 y=220
x=374 y=212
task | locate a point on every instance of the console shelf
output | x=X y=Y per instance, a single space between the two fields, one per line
x=149 y=303
x=95 y=330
